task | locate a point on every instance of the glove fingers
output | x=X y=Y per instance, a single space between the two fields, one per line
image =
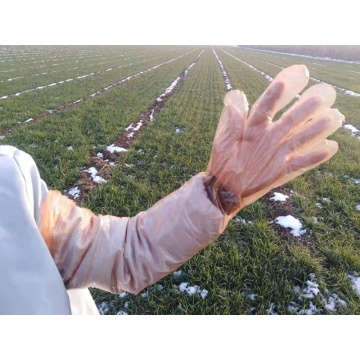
x=286 y=85
x=239 y=100
x=316 y=130
x=229 y=130
x=312 y=157
x=312 y=102
x=232 y=118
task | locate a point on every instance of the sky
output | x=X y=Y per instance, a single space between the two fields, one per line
x=177 y=22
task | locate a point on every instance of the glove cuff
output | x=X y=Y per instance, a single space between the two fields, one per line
x=222 y=198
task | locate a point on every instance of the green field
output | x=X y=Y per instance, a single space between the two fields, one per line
x=256 y=266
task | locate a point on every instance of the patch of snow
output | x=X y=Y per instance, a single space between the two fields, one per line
x=279 y=197
x=123 y=294
x=74 y=192
x=319 y=205
x=224 y=73
x=121 y=312
x=103 y=308
x=355 y=283
x=327 y=200
x=100 y=155
x=356 y=181
x=112 y=148
x=353 y=129
x=70 y=148
x=290 y=222
x=98 y=179
x=241 y=220
x=270 y=310
x=177 y=273
x=2 y=137
x=192 y=290
x=357 y=207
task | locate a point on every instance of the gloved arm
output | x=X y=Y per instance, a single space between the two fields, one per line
x=251 y=155
x=128 y=254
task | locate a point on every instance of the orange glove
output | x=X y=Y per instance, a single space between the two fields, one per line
x=252 y=155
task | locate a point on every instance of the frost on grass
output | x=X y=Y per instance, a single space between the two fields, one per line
x=279 y=197
x=290 y=222
x=192 y=290
x=98 y=179
x=355 y=282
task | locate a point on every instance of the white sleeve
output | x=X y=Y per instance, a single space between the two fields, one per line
x=30 y=283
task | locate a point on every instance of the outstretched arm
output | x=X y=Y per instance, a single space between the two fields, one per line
x=251 y=155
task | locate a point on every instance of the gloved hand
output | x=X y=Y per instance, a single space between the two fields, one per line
x=252 y=155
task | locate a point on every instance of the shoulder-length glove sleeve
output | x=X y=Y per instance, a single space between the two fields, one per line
x=128 y=254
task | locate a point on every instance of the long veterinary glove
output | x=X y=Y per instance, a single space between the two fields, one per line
x=252 y=155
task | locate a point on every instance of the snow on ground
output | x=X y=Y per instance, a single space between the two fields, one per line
x=353 y=129
x=267 y=77
x=330 y=302
x=224 y=73
x=74 y=192
x=279 y=197
x=70 y=148
x=290 y=222
x=103 y=308
x=241 y=220
x=122 y=312
x=192 y=290
x=355 y=282
x=306 y=56
x=98 y=179
x=86 y=75
x=177 y=273
x=112 y=148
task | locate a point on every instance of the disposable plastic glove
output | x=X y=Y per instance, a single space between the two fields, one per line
x=252 y=154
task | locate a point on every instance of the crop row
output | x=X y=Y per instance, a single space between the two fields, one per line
x=30 y=104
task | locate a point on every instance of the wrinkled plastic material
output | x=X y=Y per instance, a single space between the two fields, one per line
x=252 y=154
x=128 y=254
